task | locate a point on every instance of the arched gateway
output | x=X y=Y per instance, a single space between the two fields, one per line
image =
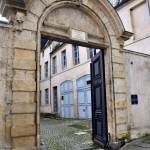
x=92 y=23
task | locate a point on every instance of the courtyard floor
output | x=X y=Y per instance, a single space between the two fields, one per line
x=66 y=134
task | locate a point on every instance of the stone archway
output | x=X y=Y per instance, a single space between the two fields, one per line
x=99 y=26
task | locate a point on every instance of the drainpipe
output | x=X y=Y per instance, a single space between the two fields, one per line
x=38 y=91
x=50 y=79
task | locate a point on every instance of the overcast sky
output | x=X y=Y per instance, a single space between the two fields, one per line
x=2 y=18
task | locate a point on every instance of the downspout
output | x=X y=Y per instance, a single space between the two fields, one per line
x=50 y=79
x=38 y=91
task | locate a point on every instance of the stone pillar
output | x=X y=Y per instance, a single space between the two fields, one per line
x=6 y=75
x=120 y=92
x=23 y=130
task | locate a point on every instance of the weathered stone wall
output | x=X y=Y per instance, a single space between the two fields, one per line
x=6 y=76
x=120 y=91
x=23 y=128
x=18 y=86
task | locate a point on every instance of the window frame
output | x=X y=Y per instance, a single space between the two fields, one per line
x=91 y=52
x=46 y=70
x=47 y=96
x=54 y=65
x=64 y=59
x=76 y=60
x=40 y=97
x=40 y=72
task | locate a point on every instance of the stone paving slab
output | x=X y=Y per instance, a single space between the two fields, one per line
x=66 y=134
x=139 y=144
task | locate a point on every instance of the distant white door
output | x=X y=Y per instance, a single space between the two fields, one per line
x=67 y=100
x=84 y=98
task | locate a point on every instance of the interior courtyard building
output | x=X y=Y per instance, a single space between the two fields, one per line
x=120 y=72
x=68 y=77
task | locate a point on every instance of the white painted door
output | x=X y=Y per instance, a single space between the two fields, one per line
x=84 y=98
x=67 y=100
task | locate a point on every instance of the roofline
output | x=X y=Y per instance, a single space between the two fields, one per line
x=45 y=47
x=57 y=48
x=122 y=3
x=3 y=22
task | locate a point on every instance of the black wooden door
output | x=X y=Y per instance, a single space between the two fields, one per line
x=99 y=112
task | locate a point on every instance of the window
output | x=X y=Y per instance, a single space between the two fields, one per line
x=46 y=97
x=64 y=60
x=40 y=97
x=91 y=52
x=76 y=54
x=54 y=65
x=40 y=72
x=55 y=99
x=46 y=69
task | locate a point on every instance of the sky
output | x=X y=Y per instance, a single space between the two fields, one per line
x=2 y=18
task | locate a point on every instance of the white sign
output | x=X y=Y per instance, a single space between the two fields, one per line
x=78 y=35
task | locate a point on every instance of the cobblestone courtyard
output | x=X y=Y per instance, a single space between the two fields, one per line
x=65 y=134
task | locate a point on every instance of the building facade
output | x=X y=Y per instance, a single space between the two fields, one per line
x=70 y=67
x=135 y=15
x=45 y=103
x=64 y=74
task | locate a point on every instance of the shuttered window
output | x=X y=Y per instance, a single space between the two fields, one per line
x=76 y=54
x=64 y=60
x=46 y=69
x=54 y=65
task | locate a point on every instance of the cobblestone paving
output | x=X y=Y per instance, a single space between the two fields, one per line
x=65 y=134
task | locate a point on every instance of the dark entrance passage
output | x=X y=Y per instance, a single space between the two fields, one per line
x=99 y=111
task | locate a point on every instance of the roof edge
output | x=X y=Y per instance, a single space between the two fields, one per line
x=121 y=3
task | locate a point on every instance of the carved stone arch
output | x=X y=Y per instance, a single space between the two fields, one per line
x=101 y=38
x=111 y=35
x=101 y=35
x=112 y=16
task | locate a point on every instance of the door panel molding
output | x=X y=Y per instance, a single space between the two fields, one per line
x=98 y=93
